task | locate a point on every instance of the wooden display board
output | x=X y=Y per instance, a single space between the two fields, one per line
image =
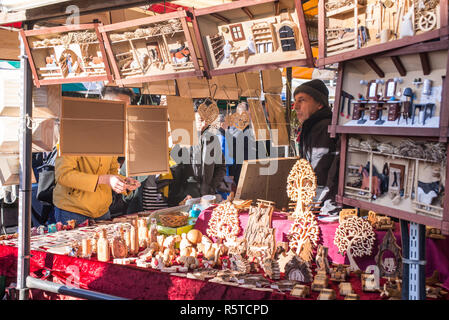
x=355 y=28
x=276 y=115
x=272 y=81
x=43 y=135
x=146 y=140
x=46 y=100
x=10 y=45
x=258 y=120
x=193 y=87
x=224 y=87
x=254 y=184
x=92 y=127
x=182 y=121
x=67 y=54
x=249 y=84
x=163 y=87
x=250 y=35
x=155 y=48
x=9 y=170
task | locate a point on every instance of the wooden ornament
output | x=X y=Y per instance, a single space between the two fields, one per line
x=86 y=248
x=320 y=281
x=118 y=246
x=209 y=113
x=284 y=258
x=224 y=222
x=298 y=270
x=258 y=120
x=304 y=235
x=258 y=234
x=239 y=120
x=390 y=267
x=153 y=233
x=355 y=236
x=300 y=291
x=301 y=185
x=321 y=261
x=327 y=294
x=338 y=273
x=345 y=288
x=103 y=249
x=240 y=264
x=370 y=281
x=380 y=222
x=345 y=213
x=142 y=233
x=392 y=289
x=271 y=269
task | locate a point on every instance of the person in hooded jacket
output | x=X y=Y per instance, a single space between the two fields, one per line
x=315 y=144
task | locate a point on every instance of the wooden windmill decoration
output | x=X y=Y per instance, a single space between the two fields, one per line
x=304 y=232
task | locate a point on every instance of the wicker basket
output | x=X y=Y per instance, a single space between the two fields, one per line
x=173 y=219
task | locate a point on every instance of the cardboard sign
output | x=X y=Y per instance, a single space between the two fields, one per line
x=272 y=81
x=258 y=120
x=92 y=127
x=9 y=170
x=193 y=87
x=249 y=84
x=182 y=121
x=163 y=87
x=147 y=140
x=224 y=87
x=276 y=115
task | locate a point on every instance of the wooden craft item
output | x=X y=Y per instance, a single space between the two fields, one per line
x=272 y=81
x=182 y=121
x=249 y=84
x=276 y=115
x=103 y=249
x=86 y=248
x=224 y=222
x=10 y=170
x=300 y=291
x=142 y=233
x=240 y=120
x=43 y=131
x=392 y=289
x=434 y=279
x=256 y=173
x=284 y=258
x=258 y=233
x=258 y=120
x=208 y=112
x=119 y=248
x=147 y=150
x=162 y=87
x=345 y=288
x=224 y=87
x=301 y=185
x=391 y=267
x=304 y=235
x=271 y=269
x=92 y=127
x=352 y=296
x=435 y=292
x=193 y=87
x=195 y=236
x=434 y=233
x=327 y=294
x=298 y=270
x=355 y=237
x=10 y=44
x=321 y=260
x=370 y=282
x=320 y=282
x=345 y=213
x=239 y=264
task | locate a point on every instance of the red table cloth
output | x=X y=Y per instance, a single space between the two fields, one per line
x=437 y=251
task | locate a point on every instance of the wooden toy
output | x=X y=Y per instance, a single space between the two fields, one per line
x=246 y=34
x=66 y=54
x=321 y=260
x=151 y=49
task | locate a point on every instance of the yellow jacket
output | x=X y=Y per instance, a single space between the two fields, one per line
x=76 y=184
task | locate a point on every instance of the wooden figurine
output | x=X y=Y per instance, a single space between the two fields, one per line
x=392 y=289
x=300 y=291
x=380 y=222
x=298 y=270
x=185 y=246
x=320 y=281
x=118 y=246
x=321 y=261
x=239 y=264
x=434 y=233
x=392 y=266
x=338 y=273
x=355 y=236
x=153 y=233
x=103 y=249
x=142 y=232
x=131 y=240
x=271 y=269
x=86 y=251
x=190 y=262
x=345 y=288
x=327 y=294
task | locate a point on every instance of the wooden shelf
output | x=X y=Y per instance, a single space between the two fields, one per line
x=353 y=149
x=389 y=131
x=58 y=45
x=341 y=11
x=145 y=37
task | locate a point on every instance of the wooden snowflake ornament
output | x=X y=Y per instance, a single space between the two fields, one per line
x=354 y=236
x=224 y=222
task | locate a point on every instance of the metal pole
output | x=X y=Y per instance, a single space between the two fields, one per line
x=25 y=134
x=405 y=239
x=288 y=104
x=69 y=291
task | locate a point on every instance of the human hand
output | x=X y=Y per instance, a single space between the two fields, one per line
x=132 y=184
x=115 y=182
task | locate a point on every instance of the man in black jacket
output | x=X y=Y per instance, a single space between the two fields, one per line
x=315 y=144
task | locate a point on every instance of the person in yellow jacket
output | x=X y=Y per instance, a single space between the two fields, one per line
x=84 y=184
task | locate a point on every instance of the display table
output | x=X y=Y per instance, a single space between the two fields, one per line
x=437 y=251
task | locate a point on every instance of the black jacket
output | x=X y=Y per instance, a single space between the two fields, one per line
x=322 y=151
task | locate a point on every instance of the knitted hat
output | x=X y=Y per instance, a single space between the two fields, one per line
x=316 y=89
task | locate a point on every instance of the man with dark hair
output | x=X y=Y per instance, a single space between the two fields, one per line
x=315 y=144
x=84 y=184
